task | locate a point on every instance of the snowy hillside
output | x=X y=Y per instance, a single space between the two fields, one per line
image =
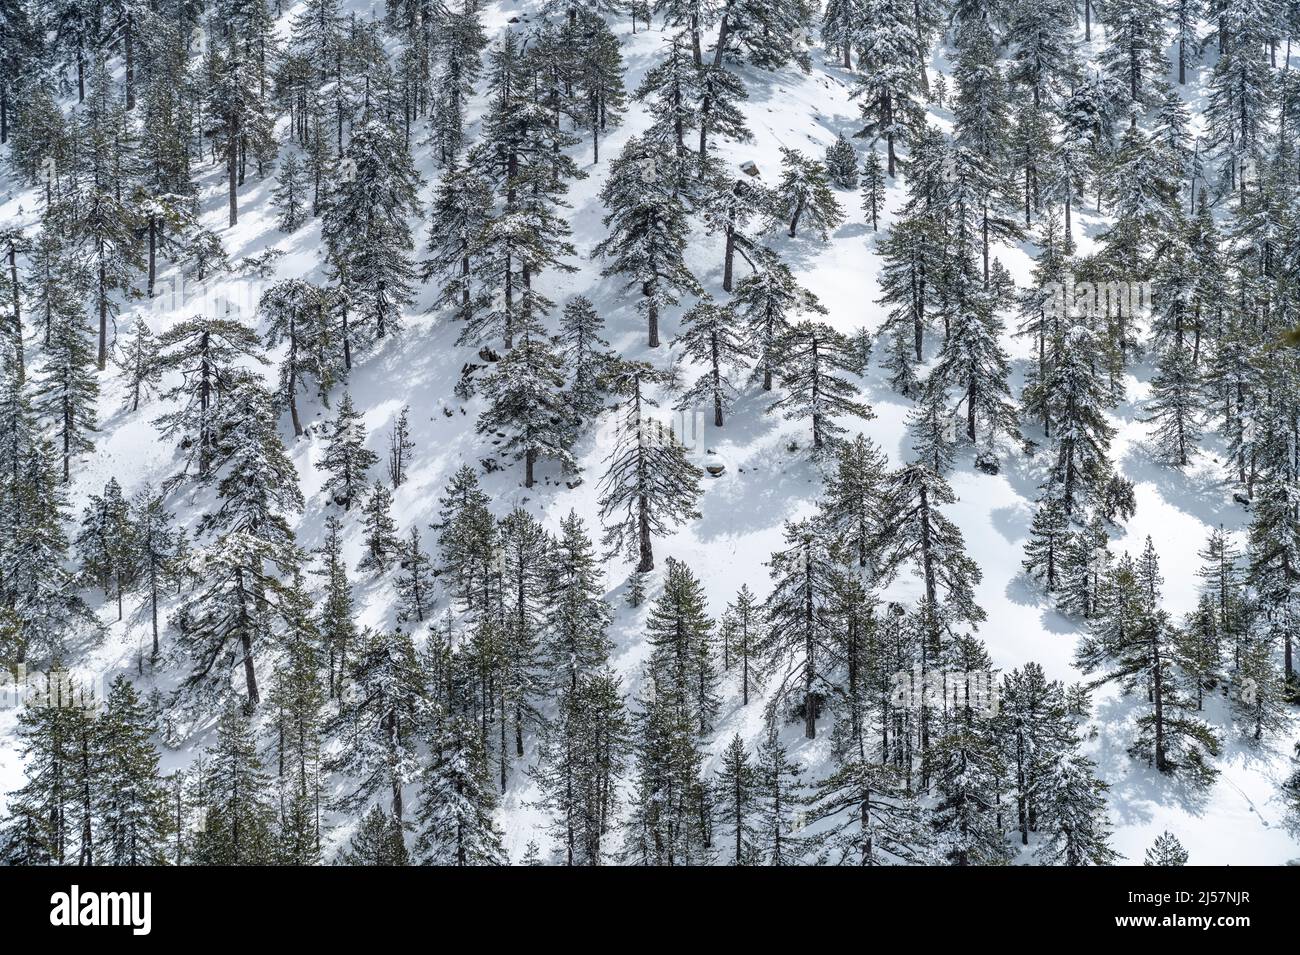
x=445 y=737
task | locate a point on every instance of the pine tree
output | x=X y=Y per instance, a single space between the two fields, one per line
x=346 y=459
x=457 y=801
x=366 y=231
x=65 y=390
x=842 y=163
x=888 y=86
x=933 y=426
x=585 y=355
x=400 y=447
x=769 y=302
x=584 y=754
x=710 y=337
x=741 y=638
x=526 y=402
x=106 y=543
x=649 y=485
x=780 y=798
x=647 y=230
x=919 y=535
x=812 y=356
x=415 y=581
x=1076 y=408
x=378 y=841
x=574 y=641
x=158 y=551
x=1166 y=851
x=802 y=631
x=296 y=316
x=1049 y=536
x=1074 y=817
x=681 y=638
x=461 y=205
x=1131 y=643
x=379 y=530
x=205 y=352
x=290 y=196
x=239 y=822
x=737 y=785
x=298 y=700
x=138 y=364
x=131 y=800
x=873 y=188
x=378 y=722
x=334 y=623
x=804 y=193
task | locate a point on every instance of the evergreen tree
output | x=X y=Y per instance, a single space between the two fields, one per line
x=842 y=163
x=737 y=785
x=379 y=530
x=400 y=447
x=65 y=389
x=290 y=196
x=647 y=230
x=769 y=302
x=346 y=459
x=132 y=800
x=239 y=824
x=649 y=485
x=378 y=841
x=106 y=543
x=873 y=188
x=1166 y=851
x=415 y=581
x=804 y=194
x=457 y=801
x=812 y=356
x=710 y=337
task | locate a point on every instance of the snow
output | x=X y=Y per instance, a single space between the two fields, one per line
x=765 y=483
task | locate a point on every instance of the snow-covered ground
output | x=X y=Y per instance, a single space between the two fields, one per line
x=1236 y=822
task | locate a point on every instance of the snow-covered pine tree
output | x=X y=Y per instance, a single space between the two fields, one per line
x=400 y=447
x=769 y=302
x=131 y=799
x=138 y=364
x=414 y=580
x=459 y=211
x=574 y=642
x=239 y=822
x=527 y=406
x=647 y=230
x=918 y=534
x=710 y=336
x=290 y=196
x=206 y=353
x=681 y=636
x=296 y=316
x=1166 y=851
x=379 y=530
x=334 y=622
x=157 y=551
x=802 y=630
x=378 y=841
x=842 y=163
x=852 y=504
x=649 y=485
x=1131 y=642
x=814 y=358
x=65 y=389
x=586 y=356
x=346 y=459
x=736 y=801
x=804 y=194
x=873 y=188
x=366 y=230
x=378 y=722
x=106 y=543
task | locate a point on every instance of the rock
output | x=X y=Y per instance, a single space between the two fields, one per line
x=986 y=462
x=1241 y=499
x=576 y=482
x=715 y=469
x=487 y=354
x=749 y=167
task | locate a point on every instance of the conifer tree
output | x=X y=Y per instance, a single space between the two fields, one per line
x=457 y=801
x=710 y=337
x=379 y=530
x=873 y=188
x=804 y=194
x=415 y=581
x=769 y=302
x=741 y=638
x=649 y=484
x=585 y=355
x=131 y=800
x=296 y=316
x=138 y=364
x=239 y=821
x=400 y=447
x=813 y=357
x=106 y=543
x=290 y=196
x=378 y=841
x=737 y=785
x=346 y=459
x=842 y=163
x=647 y=230
x=1166 y=851
x=158 y=551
